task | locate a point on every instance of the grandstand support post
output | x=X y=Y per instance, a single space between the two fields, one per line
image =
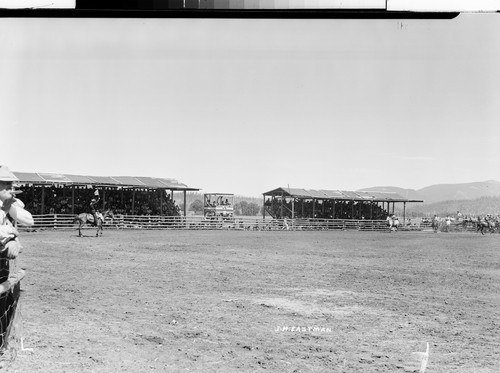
x=172 y=196
x=185 y=207
x=133 y=201
x=352 y=210
x=293 y=208
x=404 y=214
x=333 y=209
x=43 y=199
x=72 y=200
x=33 y=194
x=103 y=198
x=371 y=210
x=282 y=200
x=264 y=207
x=161 y=201
x=314 y=208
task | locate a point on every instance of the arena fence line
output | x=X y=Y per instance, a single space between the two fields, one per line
x=66 y=222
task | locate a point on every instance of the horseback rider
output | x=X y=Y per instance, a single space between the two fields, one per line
x=93 y=208
x=395 y=222
x=435 y=223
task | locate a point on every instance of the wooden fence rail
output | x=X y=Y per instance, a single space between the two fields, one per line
x=66 y=221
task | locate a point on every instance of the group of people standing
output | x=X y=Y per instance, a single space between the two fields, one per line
x=464 y=221
x=436 y=221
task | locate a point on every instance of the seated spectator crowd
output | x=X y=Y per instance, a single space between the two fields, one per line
x=57 y=200
x=324 y=209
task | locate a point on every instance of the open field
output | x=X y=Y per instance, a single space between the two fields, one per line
x=221 y=301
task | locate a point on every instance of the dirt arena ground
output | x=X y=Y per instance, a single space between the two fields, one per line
x=228 y=301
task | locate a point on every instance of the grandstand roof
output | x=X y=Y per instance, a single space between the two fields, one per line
x=111 y=181
x=341 y=195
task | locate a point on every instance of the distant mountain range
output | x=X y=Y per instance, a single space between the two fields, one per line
x=445 y=192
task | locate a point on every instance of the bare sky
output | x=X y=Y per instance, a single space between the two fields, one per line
x=245 y=106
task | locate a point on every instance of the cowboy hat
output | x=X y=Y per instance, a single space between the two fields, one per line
x=6 y=174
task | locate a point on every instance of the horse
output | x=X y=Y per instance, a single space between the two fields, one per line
x=447 y=221
x=486 y=224
x=435 y=224
x=469 y=222
x=464 y=223
x=85 y=218
x=393 y=223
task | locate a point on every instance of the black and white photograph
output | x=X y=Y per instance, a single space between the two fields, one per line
x=250 y=186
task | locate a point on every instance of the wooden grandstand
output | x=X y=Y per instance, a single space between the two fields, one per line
x=45 y=191
x=295 y=203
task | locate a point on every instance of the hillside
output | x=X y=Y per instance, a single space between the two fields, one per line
x=479 y=206
x=445 y=192
x=465 y=191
